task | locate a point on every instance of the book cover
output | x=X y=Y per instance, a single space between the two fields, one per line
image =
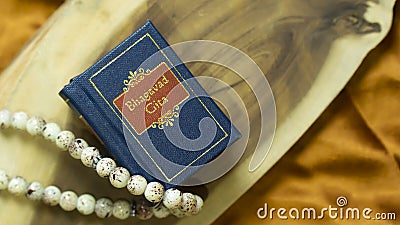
x=150 y=113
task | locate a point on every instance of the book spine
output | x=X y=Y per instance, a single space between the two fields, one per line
x=65 y=95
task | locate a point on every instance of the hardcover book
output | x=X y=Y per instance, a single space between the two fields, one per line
x=148 y=111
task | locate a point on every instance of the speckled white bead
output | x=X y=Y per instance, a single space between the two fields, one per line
x=35 y=191
x=89 y=155
x=76 y=148
x=17 y=186
x=119 y=177
x=105 y=166
x=19 y=120
x=35 y=125
x=50 y=131
x=64 y=139
x=121 y=209
x=137 y=185
x=3 y=180
x=189 y=203
x=5 y=119
x=154 y=192
x=103 y=208
x=172 y=198
x=86 y=203
x=199 y=204
x=51 y=195
x=178 y=213
x=68 y=200
x=161 y=211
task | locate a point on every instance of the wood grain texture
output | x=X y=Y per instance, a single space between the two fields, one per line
x=307 y=49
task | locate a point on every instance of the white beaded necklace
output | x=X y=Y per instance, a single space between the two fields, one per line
x=164 y=203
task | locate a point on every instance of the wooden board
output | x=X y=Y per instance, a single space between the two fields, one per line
x=308 y=50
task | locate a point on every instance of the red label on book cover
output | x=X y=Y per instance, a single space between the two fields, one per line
x=151 y=97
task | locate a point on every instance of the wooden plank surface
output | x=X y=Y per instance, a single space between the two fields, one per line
x=298 y=47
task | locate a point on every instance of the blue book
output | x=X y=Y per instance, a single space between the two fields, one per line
x=150 y=115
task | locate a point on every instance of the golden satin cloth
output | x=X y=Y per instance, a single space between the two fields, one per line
x=352 y=150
